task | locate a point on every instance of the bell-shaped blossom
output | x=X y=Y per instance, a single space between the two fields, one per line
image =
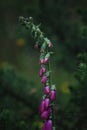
x=42 y=71
x=42 y=106
x=53 y=95
x=47 y=102
x=46 y=60
x=45 y=115
x=44 y=79
x=46 y=89
x=41 y=61
x=47 y=125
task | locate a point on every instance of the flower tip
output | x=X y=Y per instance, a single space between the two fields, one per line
x=50 y=45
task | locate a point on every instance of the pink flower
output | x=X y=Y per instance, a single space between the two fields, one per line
x=53 y=95
x=41 y=61
x=50 y=45
x=42 y=71
x=47 y=102
x=46 y=114
x=46 y=60
x=47 y=125
x=44 y=79
x=46 y=89
x=42 y=107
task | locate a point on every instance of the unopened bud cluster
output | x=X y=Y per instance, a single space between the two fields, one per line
x=49 y=96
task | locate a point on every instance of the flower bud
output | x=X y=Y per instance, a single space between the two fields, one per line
x=46 y=89
x=47 y=56
x=41 y=61
x=50 y=45
x=47 y=102
x=45 y=115
x=42 y=107
x=46 y=60
x=53 y=95
x=43 y=69
x=44 y=79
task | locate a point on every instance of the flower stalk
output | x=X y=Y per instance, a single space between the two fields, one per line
x=48 y=99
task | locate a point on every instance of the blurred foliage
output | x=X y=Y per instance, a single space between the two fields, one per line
x=16 y=108
x=74 y=115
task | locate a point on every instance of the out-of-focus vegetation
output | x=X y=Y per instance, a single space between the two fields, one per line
x=65 y=23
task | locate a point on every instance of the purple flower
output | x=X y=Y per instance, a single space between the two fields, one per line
x=42 y=107
x=47 y=125
x=49 y=110
x=47 y=102
x=44 y=79
x=46 y=60
x=46 y=89
x=41 y=61
x=45 y=115
x=53 y=95
x=42 y=71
